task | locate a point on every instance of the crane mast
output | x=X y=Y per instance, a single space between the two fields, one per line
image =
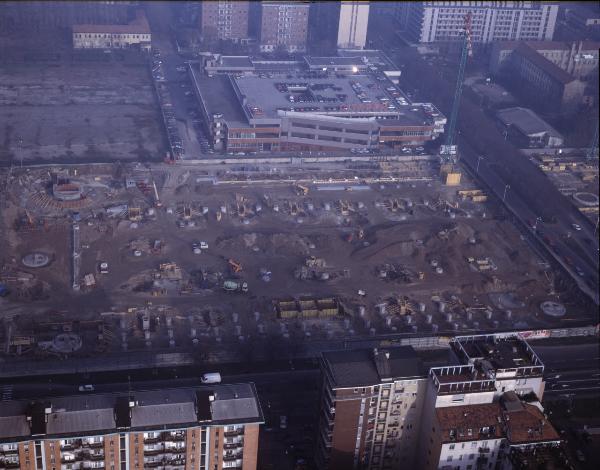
x=466 y=52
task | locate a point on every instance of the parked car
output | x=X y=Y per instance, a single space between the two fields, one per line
x=283 y=422
x=86 y=388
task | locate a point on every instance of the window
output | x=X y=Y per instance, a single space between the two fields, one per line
x=449 y=458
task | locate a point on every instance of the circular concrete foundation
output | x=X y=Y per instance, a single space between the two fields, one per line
x=36 y=260
x=587 y=199
x=553 y=309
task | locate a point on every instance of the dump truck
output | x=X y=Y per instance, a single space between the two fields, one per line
x=235 y=286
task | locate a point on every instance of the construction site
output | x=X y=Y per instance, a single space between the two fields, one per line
x=128 y=257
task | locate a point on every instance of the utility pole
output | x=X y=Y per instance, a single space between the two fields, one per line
x=479 y=158
x=506 y=187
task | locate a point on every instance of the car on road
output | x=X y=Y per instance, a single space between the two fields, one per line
x=579 y=271
x=283 y=422
x=576 y=227
x=86 y=388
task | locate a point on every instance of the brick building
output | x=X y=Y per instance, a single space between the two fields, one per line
x=114 y=36
x=224 y=20
x=283 y=25
x=204 y=428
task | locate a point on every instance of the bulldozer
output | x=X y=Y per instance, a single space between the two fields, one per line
x=235 y=266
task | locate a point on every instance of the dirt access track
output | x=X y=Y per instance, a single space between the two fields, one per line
x=78 y=111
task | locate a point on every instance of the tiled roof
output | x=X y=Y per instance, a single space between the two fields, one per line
x=470 y=423
x=529 y=425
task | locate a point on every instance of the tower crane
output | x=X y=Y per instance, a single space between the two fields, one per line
x=466 y=51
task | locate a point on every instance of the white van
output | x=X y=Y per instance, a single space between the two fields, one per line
x=211 y=378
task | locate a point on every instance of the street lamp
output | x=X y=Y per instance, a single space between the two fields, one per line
x=506 y=188
x=479 y=158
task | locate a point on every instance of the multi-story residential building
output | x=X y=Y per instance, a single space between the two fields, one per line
x=342 y=24
x=579 y=59
x=284 y=25
x=470 y=437
x=352 y=25
x=427 y=22
x=114 y=36
x=543 y=82
x=371 y=406
x=201 y=428
x=224 y=20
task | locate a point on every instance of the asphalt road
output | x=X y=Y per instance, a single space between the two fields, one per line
x=570 y=368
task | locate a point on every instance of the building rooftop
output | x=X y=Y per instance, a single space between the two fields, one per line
x=293 y=91
x=470 y=422
x=500 y=352
x=363 y=367
x=459 y=379
x=526 y=121
x=541 y=62
x=101 y=413
x=527 y=425
x=219 y=97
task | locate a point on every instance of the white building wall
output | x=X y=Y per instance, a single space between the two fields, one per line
x=443 y=401
x=464 y=455
x=353 y=24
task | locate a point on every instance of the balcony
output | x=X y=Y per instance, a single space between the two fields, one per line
x=152 y=440
x=233 y=445
x=237 y=432
x=230 y=457
x=175 y=436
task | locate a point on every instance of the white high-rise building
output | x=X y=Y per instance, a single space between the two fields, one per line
x=353 y=23
x=427 y=22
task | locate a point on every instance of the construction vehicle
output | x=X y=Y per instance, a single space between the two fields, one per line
x=344 y=207
x=241 y=207
x=301 y=190
x=294 y=208
x=235 y=266
x=187 y=212
x=235 y=286
x=135 y=214
x=219 y=215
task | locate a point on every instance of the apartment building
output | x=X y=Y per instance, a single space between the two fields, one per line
x=429 y=22
x=284 y=25
x=483 y=436
x=352 y=25
x=224 y=20
x=203 y=428
x=114 y=36
x=371 y=406
x=579 y=59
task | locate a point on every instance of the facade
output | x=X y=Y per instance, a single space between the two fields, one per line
x=352 y=25
x=224 y=20
x=579 y=59
x=320 y=104
x=112 y=36
x=544 y=83
x=202 y=428
x=426 y=22
x=283 y=25
x=527 y=130
x=371 y=406
x=388 y=408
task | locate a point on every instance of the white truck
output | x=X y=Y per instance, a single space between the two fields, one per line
x=211 y=378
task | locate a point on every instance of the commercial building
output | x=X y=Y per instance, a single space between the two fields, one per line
x=320 y=104
x=527 y=130
x=284 y=25
x=579 y=59
x=427 y=22
x=203 y=428
x=114 y=36
x=224 y=20
x=542 y=81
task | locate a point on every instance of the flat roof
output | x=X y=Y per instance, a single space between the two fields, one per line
x=103 y=413
x=502 y=353
x=267 y=95
x=526 y=121
x=364 y=367
x=218 y=97
x=235 y=61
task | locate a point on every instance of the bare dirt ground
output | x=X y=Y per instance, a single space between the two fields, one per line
x=73 y=110
x=428 y=261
